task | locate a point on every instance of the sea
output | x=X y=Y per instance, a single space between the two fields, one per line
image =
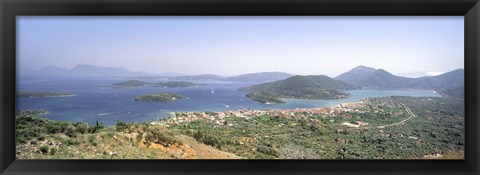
x=95 y=101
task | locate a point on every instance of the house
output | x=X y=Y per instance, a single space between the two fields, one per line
x=360 y=123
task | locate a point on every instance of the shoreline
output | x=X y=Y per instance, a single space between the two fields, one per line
x=52 y=96
x=219 y=117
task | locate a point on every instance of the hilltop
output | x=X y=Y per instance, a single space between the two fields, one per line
x=83 y=70
x=64 y=140
x=298 y=87
x=371 y=78
x=260 y=77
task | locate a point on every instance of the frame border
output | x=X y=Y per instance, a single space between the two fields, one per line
x=9 y=9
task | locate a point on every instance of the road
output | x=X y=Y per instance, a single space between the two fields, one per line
x=401 y=122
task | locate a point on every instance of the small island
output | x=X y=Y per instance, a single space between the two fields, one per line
x=130 y=84
x=32 y=94
x=159 y=97
x=175 y=84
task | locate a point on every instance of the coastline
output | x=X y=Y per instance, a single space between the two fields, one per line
x=52 y=96
x=219 y=117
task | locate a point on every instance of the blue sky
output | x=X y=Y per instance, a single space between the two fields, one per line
x=409 y=46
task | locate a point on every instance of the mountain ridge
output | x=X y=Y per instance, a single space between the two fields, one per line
x=85 y=70
x=382 y=79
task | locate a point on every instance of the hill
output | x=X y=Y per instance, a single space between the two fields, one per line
x=198 y=77
x=356 y=74
x=381 y=79
x=82 y=70
x=260 y=77
x=370 y=78
x=298 y=87
x=455 y=93
x=41 y=138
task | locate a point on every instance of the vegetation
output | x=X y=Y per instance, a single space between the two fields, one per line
x=31 y=127
x=160 y=97
x=457 y=93
x=437 y=128
x=175 y=84
x=434 y=129
x=298 y=87
x=31 y=94
x=263 y=97
x=370 y=78
x=40 y=138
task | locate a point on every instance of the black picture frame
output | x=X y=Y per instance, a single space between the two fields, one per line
x=9 y=9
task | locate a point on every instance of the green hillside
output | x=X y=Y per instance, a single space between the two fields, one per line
x=298 y=87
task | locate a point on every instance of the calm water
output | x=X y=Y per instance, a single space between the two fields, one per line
x=106 y=105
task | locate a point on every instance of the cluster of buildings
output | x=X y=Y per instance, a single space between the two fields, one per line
x=219 y=118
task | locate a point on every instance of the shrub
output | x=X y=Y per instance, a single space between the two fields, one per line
x=161 y=136
x=95 y=128
x=268 y=151
x=41 y=137
x=121 y=126
x=70 y=130
x=53 y=127
x=82 y=127
x=139 y=137
x=44 y=149
x=71 y=142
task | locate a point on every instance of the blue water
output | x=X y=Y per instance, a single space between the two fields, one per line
x=93 y=102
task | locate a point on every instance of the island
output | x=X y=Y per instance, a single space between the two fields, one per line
x=314 y=87
x=37 y=94
x=175 y=84
x=159 y=97
x=130 y=84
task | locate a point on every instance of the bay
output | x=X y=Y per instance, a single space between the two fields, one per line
x=96 y=102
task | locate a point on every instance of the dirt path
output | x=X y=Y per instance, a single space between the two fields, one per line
x=401 y=122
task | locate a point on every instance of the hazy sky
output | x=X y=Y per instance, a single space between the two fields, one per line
x=410 y=46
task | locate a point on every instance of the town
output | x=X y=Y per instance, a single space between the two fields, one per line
x=219 y=117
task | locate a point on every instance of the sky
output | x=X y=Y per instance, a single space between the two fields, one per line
x=310 y=45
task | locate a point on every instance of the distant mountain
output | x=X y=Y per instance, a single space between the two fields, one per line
x=298 y=87
x=50 y=71
x=356 y=74
x=381 y=79
x=170 y=74
x=177 y=84
x=198 y=77
x=87 y=71
x=260 y=77
x=451 y=79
